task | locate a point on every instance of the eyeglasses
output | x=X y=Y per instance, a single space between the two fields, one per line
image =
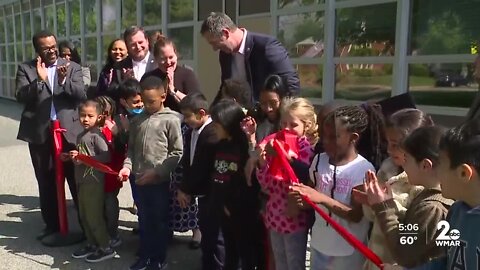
x=270 y=104
x=47 y=50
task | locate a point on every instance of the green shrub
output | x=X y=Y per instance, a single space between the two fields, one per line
x=363 y=72
x=420 y=70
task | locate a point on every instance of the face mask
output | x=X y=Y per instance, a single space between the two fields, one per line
x=135 y=111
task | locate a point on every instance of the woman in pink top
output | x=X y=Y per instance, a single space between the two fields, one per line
x=287 y=226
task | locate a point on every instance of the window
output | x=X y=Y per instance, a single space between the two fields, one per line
x=297 y=3
x=2 y=30
x=19 y=53
x=18 y=28
x=302 y=34
x=442 y=84
x=180 y=10
x=91 y=48
x=183 y=39
x=363 y=81
x=254 y=6
x=129 y=13
x=9 y=21
x=207 y=6
x=37 y=21
x=90 y=16
x=311 y=79
x=28 y=26
x=75 y=15
x=444 y=27
x=366 y=31
x=152 y=12
x=109 y=15
x=49 y=17
x=231 y=9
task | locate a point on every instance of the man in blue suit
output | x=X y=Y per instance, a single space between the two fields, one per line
x=248 y=56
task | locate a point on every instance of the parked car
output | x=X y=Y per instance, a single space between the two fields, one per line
x=451 y=79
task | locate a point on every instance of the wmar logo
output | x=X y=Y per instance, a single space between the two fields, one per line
x=447 y=237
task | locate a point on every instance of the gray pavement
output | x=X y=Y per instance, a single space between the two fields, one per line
x=20 y=219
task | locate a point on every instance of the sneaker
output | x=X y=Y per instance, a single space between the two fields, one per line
x=115 y=242
x=84 y=252
x=158 y=266
x=140 y=264
x=101 y=255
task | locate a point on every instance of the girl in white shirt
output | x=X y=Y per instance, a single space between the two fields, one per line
x=335 y=173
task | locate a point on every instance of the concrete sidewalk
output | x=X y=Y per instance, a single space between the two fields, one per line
x=20 y=219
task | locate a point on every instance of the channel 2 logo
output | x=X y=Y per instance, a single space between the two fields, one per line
x=447 y=237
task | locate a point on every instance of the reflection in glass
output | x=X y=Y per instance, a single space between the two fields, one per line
x=75 y=15
x=3 y=54
x=363 y=81
x=28 y=51
x=105 y=42
x=366 y=31
x=49 y=17
x=9 y=21
x=441 y=27
x=297 y=3
x=180 y=10
x=153 y=12
x=440 y=84
x=90 y=16
x=2 y=30
x=311 y=78
x=129 y=13
x=18 y=28
x=11 y=53
x=109 y=17
x=4 y=71
x=253 y=6
x=37 y=21
x=302 y=34
x=207 y=6
x=183 y=39
x=91 y=48
x=19 y=53
x=93 y=72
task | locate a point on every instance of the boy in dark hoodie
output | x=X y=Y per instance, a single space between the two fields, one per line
x=154 y=150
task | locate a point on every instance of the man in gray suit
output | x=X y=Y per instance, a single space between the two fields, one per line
x=51 y=89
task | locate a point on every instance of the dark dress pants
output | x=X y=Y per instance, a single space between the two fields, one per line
x=44 y=167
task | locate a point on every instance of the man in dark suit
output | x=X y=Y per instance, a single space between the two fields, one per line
x=51 y=89
x=248 y=56
x=139 y=60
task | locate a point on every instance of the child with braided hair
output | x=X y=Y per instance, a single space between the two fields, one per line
x=335 y=173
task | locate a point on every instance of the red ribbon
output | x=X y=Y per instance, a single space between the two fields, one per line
x=89 y=161
x=285 y=165
x=59 y=177
x=288 y=141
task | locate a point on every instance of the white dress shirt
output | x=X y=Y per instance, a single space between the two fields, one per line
x=194 y=139
x=52 y=71
x=140 y=67
x=238 y=64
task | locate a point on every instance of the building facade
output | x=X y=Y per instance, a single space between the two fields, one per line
x=353 y=50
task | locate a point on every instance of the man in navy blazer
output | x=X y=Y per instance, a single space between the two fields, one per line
x=248 y=56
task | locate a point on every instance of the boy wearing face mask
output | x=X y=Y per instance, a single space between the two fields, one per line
x=130 y=105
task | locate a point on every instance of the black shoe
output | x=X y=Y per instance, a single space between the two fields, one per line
x=84 y=252
x=194 y=244
x=140 y=264
x=101 y=254
x=135 y=231
x=45 y=232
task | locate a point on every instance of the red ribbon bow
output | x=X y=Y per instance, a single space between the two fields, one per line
x=283 y=142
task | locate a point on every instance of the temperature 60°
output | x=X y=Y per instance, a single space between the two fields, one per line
x=407 y=240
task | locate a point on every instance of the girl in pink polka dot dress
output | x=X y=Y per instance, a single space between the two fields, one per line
x=288 y=229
